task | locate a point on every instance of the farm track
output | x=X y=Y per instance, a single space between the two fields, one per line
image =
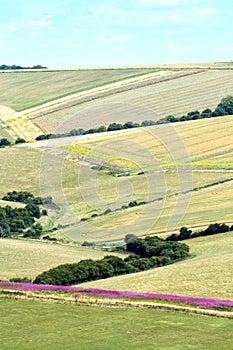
x=115 y=303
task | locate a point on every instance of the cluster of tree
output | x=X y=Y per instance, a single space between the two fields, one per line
x=14 y=67
x=225 y=107
x=26 y=197
x=4 y=142
x=149 y=253
x=102 y=128
x=212 y=229
x=15 y=221
x=21 y=221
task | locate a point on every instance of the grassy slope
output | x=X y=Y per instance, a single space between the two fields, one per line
x=207 y=274
x=21 y=90
x=96 y=192
x=208 y=143
x=22 y=258
x=33 y=325
x=176 y=97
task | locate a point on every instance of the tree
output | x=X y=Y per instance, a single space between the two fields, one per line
x=130 y=238
x=19 y=140
x=34 y=210
x=114 y=126
x=185 y=233
x=4 y=142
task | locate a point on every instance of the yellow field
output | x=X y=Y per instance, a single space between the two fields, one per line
x=22 y=258
x=207 y=274
x=199 y=189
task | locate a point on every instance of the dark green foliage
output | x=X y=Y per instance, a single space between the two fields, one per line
x=34 y=232
x=155 y=246
x=20 y=279
x=14 y=66
x=133 y=204
x=148 y=123
x=26 y=197
x=14 y=221
x=4 y=143
x=148 y=253
x=212 y=229
x=225 y=107
x=34 y=210
x=19 y=140
x=114 y=126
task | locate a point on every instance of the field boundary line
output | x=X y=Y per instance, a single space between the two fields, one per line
x=105 y=302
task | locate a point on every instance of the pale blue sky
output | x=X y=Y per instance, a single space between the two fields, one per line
x=74 y=33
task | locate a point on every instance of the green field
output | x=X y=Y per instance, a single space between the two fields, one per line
x=22 y=258
x=176 y=97
x=35 y=325
x=22 y=90
x=207 y=274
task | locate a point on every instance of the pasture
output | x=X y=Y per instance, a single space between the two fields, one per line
x=25 y=258
x=33 y=325
x=176 y=96
x=208 y=273
x=22 y=90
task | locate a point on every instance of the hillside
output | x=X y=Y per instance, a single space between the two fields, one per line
x=177 y=189
x=22 y=258
x=207 y=274
x=175 y=96
x=187 y=179
x=22 y=89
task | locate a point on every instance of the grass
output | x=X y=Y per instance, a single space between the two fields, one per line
x=207 y=141
x=22 y=90
x=207 y=274
x=86 y=191
x=19 y=170
x=33 y=325
x=177 y=97
x=208 y=144
x=24 y=258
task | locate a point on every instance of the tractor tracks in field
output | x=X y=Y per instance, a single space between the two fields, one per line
x=101 y=92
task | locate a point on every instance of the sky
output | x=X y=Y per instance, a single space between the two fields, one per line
x=79 y=33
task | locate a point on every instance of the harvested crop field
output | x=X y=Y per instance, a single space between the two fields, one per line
x=21 y=90
x=176 y=97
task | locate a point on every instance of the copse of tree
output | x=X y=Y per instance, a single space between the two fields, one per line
x=148 y=253
x=14 y=220
x=26 y=197
x=212 y=229
x=4 y=143
x=19 y=140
